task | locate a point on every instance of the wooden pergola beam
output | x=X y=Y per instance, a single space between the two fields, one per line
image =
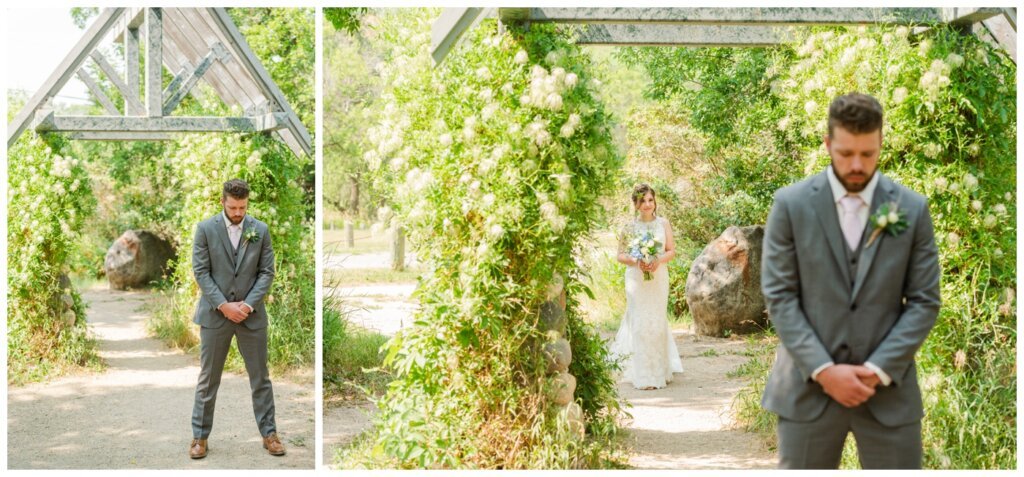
x=115 y=78
x=96 y=91
x=748 y=16
x=110 y=124
x=154 y=62
x=217 y=52
x=449 y=27
x=682 y=35
x=119 y=136
x=132 y=104
x=252 y=64
x=67 y=68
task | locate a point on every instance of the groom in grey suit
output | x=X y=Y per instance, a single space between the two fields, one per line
x=233 y=262
x=851 y=306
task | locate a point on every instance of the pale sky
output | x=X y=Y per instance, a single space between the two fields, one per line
x=37 y=40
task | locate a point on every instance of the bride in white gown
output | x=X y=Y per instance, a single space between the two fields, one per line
x=644 y=338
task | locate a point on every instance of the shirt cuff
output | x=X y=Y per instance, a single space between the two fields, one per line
x=814 y=375
x=220 y=305
x=886 y=380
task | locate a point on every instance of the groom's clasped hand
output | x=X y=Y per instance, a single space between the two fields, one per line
x=848 y=384
x=236 y=311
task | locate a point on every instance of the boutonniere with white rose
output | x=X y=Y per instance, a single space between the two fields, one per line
x=889 y=219
x=251 y=235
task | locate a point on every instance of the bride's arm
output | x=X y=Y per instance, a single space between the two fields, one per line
x=624 y=257
x=670 y=245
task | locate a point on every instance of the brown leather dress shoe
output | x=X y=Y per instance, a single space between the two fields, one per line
x=198 y=448
x=273 y=444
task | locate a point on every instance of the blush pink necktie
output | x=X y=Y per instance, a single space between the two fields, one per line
x=852 y=228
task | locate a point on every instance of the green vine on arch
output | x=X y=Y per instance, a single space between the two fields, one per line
x=493 y=163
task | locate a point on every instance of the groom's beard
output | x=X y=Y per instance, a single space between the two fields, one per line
x=235 y=219
x=846 y=179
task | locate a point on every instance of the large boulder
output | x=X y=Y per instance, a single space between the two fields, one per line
x=135 y=259
x=723 y=289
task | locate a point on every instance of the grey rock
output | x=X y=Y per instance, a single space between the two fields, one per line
x=723 y=289
x=563 y=385
x=135 y=259
x=553 y=317
x=559 y=355
x=572 y=415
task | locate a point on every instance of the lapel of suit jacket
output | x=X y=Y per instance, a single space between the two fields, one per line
x=885 y=193
x=824 y=206
x=222 y=232
x=242 y=242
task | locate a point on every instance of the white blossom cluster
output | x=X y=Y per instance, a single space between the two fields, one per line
x=936 y=78
x=545 y=90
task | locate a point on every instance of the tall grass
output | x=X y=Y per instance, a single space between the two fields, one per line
x=352 y=356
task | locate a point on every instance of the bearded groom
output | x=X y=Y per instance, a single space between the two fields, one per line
x=850 y=275
x=233 y=262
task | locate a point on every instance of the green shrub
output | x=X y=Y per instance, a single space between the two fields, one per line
x=49 y=198
x=494 y=171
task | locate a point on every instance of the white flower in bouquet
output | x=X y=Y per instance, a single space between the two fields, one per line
x=521 y=57
x=976 y=205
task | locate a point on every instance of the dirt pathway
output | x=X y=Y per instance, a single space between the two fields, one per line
x=687 y=425
x=137 y=413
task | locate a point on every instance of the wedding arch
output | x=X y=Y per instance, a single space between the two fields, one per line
x=197 y=44
x=695 y=27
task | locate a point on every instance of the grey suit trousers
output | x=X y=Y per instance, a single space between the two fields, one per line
x=818 y=444
x=213 y=351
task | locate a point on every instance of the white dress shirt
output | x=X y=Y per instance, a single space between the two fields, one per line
x=234 y=230
x=235 y=234
x=838 y=192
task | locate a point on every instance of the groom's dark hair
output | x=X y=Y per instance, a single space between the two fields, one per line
x=236 y=188
x=855 y=112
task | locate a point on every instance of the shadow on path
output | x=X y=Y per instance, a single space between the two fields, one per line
x=137 y=413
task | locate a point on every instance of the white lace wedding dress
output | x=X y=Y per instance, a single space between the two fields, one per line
x=644 y=338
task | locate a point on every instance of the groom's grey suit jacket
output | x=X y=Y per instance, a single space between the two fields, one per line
x=823 y=311
x=228 y=275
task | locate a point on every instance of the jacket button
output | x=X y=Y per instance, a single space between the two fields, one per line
x=853 y=307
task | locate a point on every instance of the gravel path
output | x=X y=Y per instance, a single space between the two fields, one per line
x=137 y=413
x=686 y=425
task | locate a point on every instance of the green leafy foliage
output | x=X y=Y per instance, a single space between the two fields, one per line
x=493 y=163
x=49 y=198
x=351 y=88
x=345 y=19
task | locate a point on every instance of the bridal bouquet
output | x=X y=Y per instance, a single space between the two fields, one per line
x=644 y=247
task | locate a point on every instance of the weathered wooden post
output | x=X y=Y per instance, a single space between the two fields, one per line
x=350 y=236
x=398 y=248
